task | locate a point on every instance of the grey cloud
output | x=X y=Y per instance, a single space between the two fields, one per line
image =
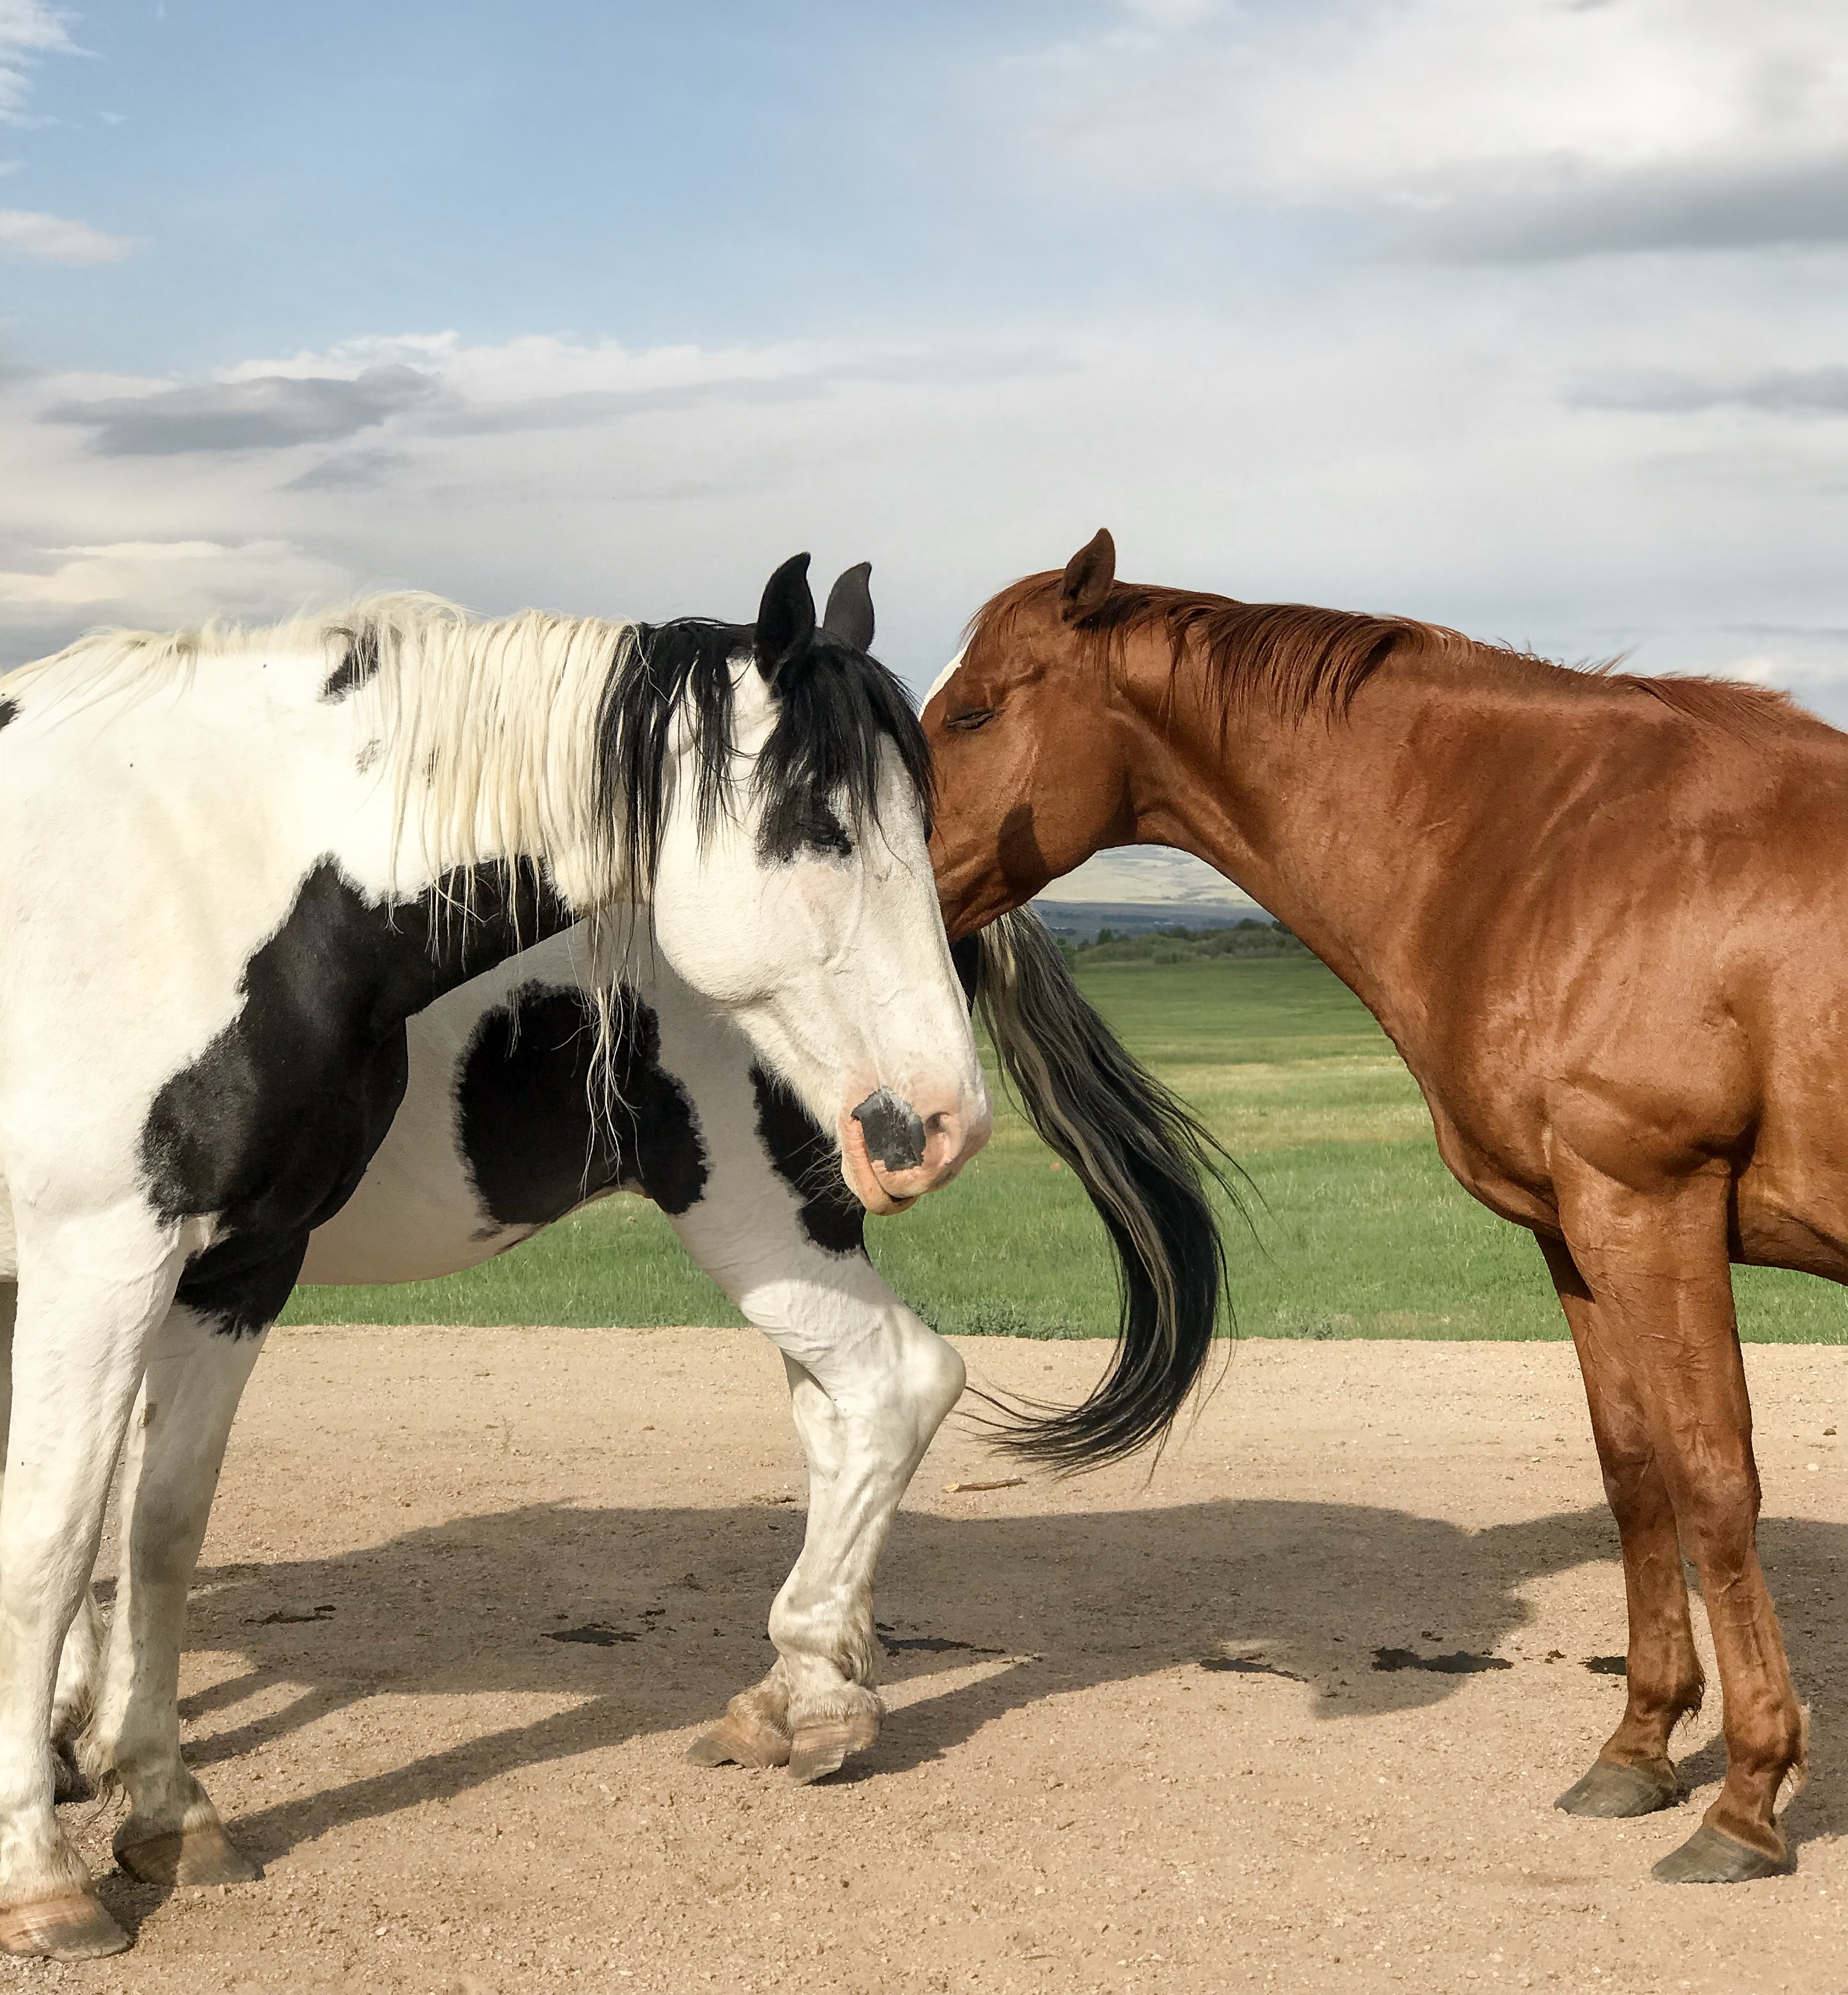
x=1589 y=215
x=274 y=412
x=351 y=470
x=589 y=406
x=1800 y=391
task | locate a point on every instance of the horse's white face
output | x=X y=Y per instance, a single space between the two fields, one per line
x=819 y=932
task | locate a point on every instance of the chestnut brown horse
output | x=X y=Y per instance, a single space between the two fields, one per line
x=1604 y=919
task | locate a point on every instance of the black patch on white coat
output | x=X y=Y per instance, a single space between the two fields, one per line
x=358 y=667
x=804 y=1160
x=272 y=1126
x=523 y=1104
x=9 y=710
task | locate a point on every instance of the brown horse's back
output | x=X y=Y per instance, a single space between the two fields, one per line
x=1636 y=943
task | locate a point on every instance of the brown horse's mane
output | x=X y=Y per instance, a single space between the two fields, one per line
x=1307 y=662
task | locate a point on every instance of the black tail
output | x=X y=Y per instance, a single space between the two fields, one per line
x=1145 y=1160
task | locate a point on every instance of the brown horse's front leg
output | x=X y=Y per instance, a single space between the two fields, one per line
x=1633 y=1773
x=1654 y=1267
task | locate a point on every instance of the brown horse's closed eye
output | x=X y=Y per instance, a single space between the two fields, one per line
x=1604 y=919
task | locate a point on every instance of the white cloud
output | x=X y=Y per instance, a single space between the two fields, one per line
x=28 y=30
x=1439 y=465
x=1530 y=128
x=1141 y=875
x=52 y=238
x=163 y=584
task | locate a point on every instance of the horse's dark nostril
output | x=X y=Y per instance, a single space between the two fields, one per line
x=894 y=1134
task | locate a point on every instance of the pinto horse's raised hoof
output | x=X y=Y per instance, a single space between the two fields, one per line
x=191 y=1857
x=825 y=1748
x=1711 y=1857
x=74 y=1927
x=1611 y=1790
x=740 y=1742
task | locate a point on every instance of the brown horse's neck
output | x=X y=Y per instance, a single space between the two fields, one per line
x=1346 y=826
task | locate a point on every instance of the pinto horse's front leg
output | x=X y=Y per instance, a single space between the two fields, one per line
x=866 y=1413
x=1658 y=1316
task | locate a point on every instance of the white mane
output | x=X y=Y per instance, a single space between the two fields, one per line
x=486 y=729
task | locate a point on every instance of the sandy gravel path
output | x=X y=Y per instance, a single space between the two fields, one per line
x=1068 y=1795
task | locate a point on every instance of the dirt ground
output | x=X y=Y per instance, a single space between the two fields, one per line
x=1069 y=1794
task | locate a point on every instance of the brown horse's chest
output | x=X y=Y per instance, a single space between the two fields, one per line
x=1497 y=1158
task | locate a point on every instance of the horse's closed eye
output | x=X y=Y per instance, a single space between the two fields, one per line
x=966 y=723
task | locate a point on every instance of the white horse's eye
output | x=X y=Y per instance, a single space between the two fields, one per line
x=814 y=828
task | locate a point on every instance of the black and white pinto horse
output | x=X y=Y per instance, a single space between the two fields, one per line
x=233 y=866
x=494 y=1140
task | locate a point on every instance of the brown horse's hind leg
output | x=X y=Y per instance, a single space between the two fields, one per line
x=1655 y=1269
x=1633 y=1773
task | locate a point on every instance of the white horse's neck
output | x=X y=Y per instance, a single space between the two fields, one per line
x=481 y=737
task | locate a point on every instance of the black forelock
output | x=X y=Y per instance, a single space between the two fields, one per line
x=834 y=707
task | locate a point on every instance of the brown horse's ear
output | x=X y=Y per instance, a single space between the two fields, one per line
x=1087 y=577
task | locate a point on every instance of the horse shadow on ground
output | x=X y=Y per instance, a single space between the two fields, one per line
x=651 y=1619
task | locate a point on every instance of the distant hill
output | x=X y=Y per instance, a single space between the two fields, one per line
x=1179 y=944
x=1079 y=921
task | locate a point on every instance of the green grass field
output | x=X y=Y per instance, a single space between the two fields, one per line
x=1357 y=1230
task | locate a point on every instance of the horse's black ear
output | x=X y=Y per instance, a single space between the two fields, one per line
x=785 y=616
x=849 y=614
x=1087 y=577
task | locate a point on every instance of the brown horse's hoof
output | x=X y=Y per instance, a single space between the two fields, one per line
x=1711 y=1857
x=187 y=1856
x=821 y=1750
x=739 y=1742
x=1610 y=1790
x=72 y=1927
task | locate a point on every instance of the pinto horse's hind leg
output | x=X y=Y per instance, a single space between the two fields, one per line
x=1655 y=1268
x=87 y=1299
x=195 y=1376
x=74 y=1695
x=866 y=1413
x=1633 y=1773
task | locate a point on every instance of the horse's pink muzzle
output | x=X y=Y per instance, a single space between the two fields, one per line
x=893 y=1150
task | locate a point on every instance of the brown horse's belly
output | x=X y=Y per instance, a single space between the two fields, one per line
x=1782 y=1222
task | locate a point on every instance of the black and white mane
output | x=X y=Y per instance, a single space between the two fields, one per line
x=823 y=752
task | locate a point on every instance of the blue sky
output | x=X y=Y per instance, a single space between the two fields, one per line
x=1530 y=318
x=720 y=173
